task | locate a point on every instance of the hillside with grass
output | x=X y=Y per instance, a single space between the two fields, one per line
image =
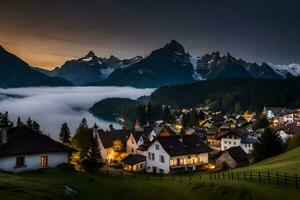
x=52 y=184
x=288 y=162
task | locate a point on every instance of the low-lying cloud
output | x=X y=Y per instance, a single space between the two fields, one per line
x=52 y=106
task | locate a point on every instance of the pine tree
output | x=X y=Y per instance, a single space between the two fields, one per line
x=184 y=121
x=29 y=123
x=19 y=122
x=82 y=137
x=93 y=158
x=65 y=134
x=237 y=107
x=269 y=144
x=36 y=127
x=166 y=115
x=262 y=122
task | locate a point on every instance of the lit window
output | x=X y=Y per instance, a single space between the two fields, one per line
x=20 y=161
x=44 y=161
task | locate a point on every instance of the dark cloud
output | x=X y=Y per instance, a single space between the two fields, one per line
x=257 y=30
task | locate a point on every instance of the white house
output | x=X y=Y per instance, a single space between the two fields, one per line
x=134 y=141
x=279 y=115
x=175 y=153
x=24 y=149
x=238 y=137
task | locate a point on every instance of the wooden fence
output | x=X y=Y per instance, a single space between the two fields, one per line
x=283 y=179
x=275 y=178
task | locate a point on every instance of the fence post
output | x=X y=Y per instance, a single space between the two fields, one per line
x=296 y=181
x=285 y=183
x=121 y=174
x=228 y=175
x=259 y=177
x=215 y=176
x=277 y=181
x=223 y=175
x=268 y=177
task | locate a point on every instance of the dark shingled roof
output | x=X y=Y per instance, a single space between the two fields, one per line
x=191 y=144
x=23 y=140
x=133 y=159
x=108 y=137
x=238 y=154
x=137 y=135
x=147 y=130
x=245 y=136
x=242 y=133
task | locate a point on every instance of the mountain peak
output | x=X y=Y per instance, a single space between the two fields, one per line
x=90 y=54
x=174 y=45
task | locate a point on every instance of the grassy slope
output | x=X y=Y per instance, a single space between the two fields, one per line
x=50 y=185
x=288 y=162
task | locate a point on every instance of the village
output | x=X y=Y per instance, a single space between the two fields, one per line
x=213 y=142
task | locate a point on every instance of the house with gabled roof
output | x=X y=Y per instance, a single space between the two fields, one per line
x=135 y=140
x=112 y=144
x=238 y=137
x=22 y=149
x=176 y=153
x=233 y=157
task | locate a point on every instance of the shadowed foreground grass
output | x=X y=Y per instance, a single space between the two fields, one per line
x=50 y=185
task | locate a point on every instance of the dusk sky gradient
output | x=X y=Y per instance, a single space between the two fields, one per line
x=47 y=33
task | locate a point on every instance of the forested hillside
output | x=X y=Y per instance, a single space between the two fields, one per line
x=231 y=95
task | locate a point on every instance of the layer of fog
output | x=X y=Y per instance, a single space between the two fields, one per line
x=52 y=106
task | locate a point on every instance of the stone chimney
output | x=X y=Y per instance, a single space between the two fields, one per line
x=3 y=128
x=95 y=130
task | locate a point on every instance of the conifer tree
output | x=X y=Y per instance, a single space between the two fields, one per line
x=65 y=134
x=269 y=144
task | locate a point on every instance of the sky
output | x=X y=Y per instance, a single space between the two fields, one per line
x=47 y=33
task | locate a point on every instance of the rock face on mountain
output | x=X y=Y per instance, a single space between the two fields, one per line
x=215 y=66
x=14 y=72
x=168 y=65
x=85 y=70
x=89 y=68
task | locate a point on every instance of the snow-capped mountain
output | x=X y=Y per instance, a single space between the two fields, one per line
x=216 y=66
x=164 y=66
x=287 y=70
x=89 y=68
x=84 y=70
